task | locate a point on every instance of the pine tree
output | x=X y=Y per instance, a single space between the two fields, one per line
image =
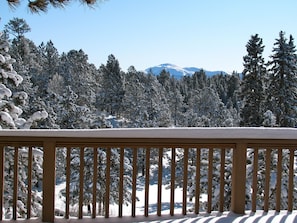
x=163 y=78
x=9 y=111
x=199 y=80
x=157 y=113
x=17 y=27
x=49 y=60
x=173 y=95
x=283 y=84
x=112 y=88
x=208 y=110
x=134 y=98
x=26 y=54
x=10 y=118
x=70 y=115
x=233 y=86
x=252 y=90
x=176 y=102
x=74 y=68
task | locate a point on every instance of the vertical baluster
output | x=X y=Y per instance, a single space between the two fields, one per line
x=210 y=176
x=267 y=180
x=160 y=172
x=81 y=183
x=68 y=172
x=15 y=183
x=134 y=178
x=95 y=177
x=147 y=181
x=279 y=179
x=255 y=179
x=172 y=186
x=30 y=158
x=291 y=180
x=222 y=179
x=2 y=152
x=121 y=183
x=185 y=180
x=107 y=192
x=197 y=189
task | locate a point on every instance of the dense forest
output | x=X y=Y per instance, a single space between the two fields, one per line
x=77 y=94
x=41 y=88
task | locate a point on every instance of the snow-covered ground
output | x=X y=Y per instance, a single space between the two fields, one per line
x=214 y=217
x=153 y=191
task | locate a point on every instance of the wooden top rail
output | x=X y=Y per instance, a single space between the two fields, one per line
x=166 y=137
x=160 y=133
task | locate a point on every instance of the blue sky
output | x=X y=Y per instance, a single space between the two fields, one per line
x=209 y=34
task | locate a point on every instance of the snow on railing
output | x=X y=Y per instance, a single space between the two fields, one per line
x=236 y=168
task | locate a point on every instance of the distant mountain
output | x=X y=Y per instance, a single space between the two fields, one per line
x=179 y=72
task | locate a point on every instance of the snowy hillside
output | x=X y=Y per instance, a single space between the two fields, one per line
x=179 y=72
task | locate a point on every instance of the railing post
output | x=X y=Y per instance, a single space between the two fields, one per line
x=49 y=181
x=1 y=180
x=238 y=179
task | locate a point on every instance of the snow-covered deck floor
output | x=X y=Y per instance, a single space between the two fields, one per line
x=226 y=217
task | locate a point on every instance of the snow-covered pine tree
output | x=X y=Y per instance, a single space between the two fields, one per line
x=27 y=65
x=157 y=113
x=10 y=118
x=209 y=108
x=49 y=61
x=199 y=80
x=252 y=90
x=134 y=98
x=112 y=87
x=174 y=98
x=283 y=82
x=70 y=115
x=9 y=111
x=80 y=75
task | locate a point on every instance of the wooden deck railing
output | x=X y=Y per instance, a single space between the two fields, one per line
x=214 y=158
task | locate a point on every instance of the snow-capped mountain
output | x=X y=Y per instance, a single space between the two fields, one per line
x=179 y=72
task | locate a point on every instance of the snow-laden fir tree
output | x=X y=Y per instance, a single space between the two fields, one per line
x=283 y=82
x=252 y=89
x=112 y=87
x=70 y=115
x=134 y=98
x=157 y=113
x=80 y=75
x=174 y=97
x=10 y=118
x=49 y=61
x=209 y=109
x=9 y=111
x=27 y=65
